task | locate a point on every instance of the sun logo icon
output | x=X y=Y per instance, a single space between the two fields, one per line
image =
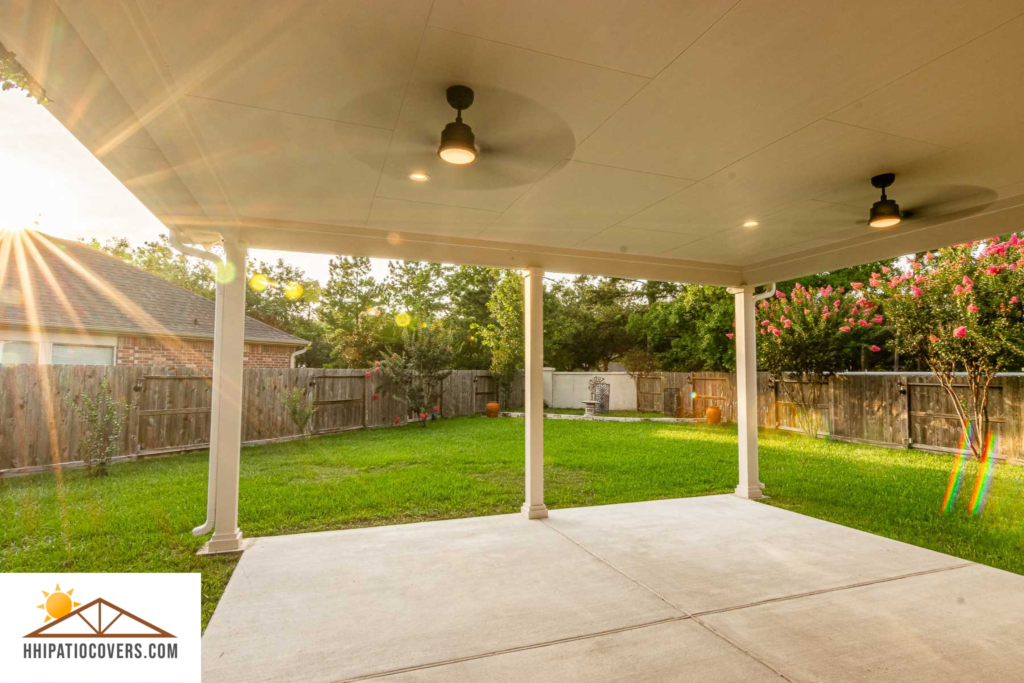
x=58 y=603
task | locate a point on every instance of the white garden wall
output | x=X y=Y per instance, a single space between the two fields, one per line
x=570 y=389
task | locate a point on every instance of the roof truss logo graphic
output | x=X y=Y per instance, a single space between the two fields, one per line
x=140 y=627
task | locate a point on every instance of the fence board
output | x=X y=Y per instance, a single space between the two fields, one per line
x=38 y=427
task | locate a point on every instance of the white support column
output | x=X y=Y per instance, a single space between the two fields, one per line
x=228 y=350
x=533 y=306
x=746 y=391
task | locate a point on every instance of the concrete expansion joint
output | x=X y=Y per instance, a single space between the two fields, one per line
x=616 y=569
x=495 y=653
x=834 y=589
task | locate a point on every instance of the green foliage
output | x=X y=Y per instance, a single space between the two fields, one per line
x=806 y=336
x=959 y=310
x=299 y=408
x=468 y=289
x=160 y=259
x=414 y=376
x=505 y=336
x=688 y=333
x=14 y=77
x=585 y=321
x=102 y=420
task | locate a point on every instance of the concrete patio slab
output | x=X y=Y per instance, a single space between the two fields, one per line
x=710 y=589
x=676 y=651
x=945 y=627
x=333 y=605
x=715 y=552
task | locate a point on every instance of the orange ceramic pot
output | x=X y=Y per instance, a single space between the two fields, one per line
x=714 y=415
x=492 y=409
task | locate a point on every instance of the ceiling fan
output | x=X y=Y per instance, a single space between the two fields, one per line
x=514 y=139
x=458 y=144
x=938 y=200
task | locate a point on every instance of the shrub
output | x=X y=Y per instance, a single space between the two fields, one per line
x=299 y=408
x=102 y=421
x=415 y=376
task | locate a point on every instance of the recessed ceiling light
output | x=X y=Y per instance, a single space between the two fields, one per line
x=418 y=176
x=750 y=224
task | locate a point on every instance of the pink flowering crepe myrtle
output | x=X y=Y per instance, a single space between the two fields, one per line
x=957 y=310
x=807 y=334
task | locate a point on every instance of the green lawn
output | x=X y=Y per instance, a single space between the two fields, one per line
x=138 y=518
x=610 y=413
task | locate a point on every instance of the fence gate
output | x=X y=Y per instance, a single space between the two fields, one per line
x=649 y=394
x=172 y=412
x=485 y=388
x=934 y=423
x=340 y=402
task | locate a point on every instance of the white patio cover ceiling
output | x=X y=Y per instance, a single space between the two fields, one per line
x=618 y=137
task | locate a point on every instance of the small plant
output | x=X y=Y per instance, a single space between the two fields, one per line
x=299 y=408
x=102 y=421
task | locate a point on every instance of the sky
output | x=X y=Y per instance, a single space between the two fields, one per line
x=47 y=175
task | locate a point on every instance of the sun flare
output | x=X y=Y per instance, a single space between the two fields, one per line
x=58 y=603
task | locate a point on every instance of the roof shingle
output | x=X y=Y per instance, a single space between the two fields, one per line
x=77 y=287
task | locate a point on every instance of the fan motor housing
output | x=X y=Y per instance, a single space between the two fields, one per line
x=459 y=97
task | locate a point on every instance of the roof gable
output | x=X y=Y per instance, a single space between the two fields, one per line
x=60 y=284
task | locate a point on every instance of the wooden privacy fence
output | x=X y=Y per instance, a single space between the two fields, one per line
x=171 y=407
x=903 y=410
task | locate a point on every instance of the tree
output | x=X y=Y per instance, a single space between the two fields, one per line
x=290 y=305
x=586 y=321
x=504 y=337
x=959 y=310
x=414 y=377
x=688 y=333
x=352 y=311
x=158 y=258
x=468 y=289
x=805 y=337
x=417 y=289
x=640 y=365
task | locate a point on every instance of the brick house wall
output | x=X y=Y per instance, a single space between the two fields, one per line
x=196 y=352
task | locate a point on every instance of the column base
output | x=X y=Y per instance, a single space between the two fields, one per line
x=539 y=511
x=750 y=492
x=222 y=544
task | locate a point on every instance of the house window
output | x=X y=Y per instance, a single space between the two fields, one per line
x=74 y=354
x=18 y=353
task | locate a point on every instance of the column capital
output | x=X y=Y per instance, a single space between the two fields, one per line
x=741 y=289
x=532 y=271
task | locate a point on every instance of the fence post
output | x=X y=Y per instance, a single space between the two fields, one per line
x=903 y=399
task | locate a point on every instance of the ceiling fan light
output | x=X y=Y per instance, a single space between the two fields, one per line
x=458 y=144
x=885 y=213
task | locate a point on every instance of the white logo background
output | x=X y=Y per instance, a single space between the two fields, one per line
x=169 y=601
